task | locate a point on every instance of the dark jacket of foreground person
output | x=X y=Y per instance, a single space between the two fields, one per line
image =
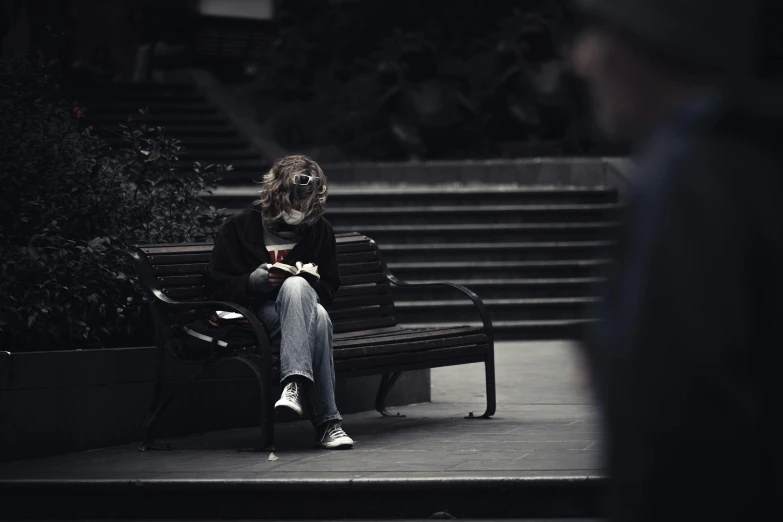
x=687 y=362
x=239 y=250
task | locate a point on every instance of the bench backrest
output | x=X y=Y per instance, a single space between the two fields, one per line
x=363 y=302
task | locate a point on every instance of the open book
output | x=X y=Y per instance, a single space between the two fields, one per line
x=308 y=271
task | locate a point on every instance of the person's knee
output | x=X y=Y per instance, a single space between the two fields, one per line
x=295 y=286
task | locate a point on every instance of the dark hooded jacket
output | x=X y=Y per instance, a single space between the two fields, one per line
x=239 y=250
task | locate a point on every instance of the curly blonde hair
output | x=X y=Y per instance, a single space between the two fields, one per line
x=280 y=195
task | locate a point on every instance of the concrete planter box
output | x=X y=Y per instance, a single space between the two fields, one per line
x=64 y=401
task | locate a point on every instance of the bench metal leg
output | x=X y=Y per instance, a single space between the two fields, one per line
x=387 y=382
x=489 y=373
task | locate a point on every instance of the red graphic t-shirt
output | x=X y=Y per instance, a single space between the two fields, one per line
x=279 y=245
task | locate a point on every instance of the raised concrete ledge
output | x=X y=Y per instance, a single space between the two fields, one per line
x=540 y=456
x=53 y=402
x=276 y=484
x=568 y=495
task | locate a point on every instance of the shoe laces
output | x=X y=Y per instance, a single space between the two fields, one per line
x=291 y=392
x=335 y=431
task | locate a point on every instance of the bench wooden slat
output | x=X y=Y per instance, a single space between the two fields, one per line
x=404 y=333
x=359 y=257
x=179 y=258
x=341 y=235
x=190 y=290
x=344 y=336
x=348 y=314
x=193 y=268
x=408 y=346
x=410 y=357
x=351 y=237
x=354 y=302
x=349 y=269
x=368 y=289
x=363 y=279
x=364 y=324
x=183 y=258
x=354 y=247
x=181 y=280
x=346 y=254
x=384 y=336
x=186 y=293
x=183 y=248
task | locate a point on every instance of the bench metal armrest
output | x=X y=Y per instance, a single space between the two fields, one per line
x=478 y=303
x=150 y=283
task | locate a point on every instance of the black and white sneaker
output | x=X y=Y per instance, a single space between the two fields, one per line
x=291 y=398
x=330 y=435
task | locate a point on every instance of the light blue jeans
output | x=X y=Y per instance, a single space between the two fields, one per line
x=300 y=326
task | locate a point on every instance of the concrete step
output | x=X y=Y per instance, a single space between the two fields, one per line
x=524 y=330
x=555 y=308
x=531 y=171
x=504 y=289
x=339 y=215
x=467 y=271
x=480 y=195
x=475 y=214
x=443 y=233
x=500 y=251
x=447 y=214
x=379 y=196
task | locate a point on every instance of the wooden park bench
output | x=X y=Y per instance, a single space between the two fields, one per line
x=367 y=340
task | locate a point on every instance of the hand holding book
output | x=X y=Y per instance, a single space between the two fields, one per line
x=279 y=272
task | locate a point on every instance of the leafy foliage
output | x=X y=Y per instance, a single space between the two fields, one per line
x=327 y=80
x=69 y=206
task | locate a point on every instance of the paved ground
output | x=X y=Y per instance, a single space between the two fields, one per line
x=544 y=427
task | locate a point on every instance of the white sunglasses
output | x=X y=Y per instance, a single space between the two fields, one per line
x=304 y=180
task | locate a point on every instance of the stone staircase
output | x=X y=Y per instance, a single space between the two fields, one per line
x=532 y=253
x=531 y=249
x=206 y=134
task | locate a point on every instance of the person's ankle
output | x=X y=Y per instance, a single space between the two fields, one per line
x=325 y=424
x=300 y=380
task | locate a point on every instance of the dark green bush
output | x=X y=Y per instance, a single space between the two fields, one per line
x=69 y=206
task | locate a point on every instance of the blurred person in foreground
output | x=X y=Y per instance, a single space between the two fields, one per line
x=685 y=363
x=286 y=225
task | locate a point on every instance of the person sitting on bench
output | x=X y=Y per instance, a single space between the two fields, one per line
x=286 y=226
